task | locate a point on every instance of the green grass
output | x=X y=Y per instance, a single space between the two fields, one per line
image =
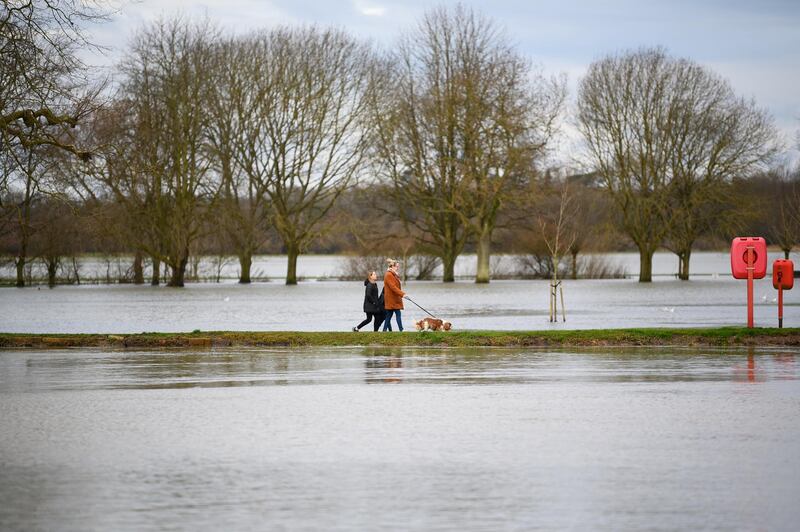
x=720 y=336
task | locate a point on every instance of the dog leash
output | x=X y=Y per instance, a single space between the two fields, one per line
x=420 y=306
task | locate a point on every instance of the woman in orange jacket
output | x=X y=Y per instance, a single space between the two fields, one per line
x=392 y=295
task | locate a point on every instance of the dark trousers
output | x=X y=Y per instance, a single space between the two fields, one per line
x=378 y=316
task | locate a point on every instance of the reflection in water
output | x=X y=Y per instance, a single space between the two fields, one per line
x=753 y=368
x=387 y=369
x=217 y=368
x=786 y=364
x=751 y=363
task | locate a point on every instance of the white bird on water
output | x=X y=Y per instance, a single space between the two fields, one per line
x=227 y=298
x=668 y=309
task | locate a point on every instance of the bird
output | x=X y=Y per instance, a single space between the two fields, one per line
x=227 y=298
x=668 y=309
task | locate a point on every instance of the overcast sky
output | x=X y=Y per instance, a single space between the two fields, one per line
x=754 y=44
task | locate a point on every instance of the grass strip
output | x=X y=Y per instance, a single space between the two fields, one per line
x=718 y=336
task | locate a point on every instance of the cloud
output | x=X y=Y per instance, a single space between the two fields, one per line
x=369 y=10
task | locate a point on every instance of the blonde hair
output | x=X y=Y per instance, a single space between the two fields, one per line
x=371 y=273
x=391 y=262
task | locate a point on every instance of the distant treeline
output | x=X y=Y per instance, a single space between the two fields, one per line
x=298 y=139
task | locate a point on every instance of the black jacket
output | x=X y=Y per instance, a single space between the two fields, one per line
x=371 y=303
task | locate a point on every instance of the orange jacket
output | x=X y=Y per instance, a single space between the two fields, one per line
x=392 y=294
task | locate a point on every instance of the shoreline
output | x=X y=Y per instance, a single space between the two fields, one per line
x=717 y=336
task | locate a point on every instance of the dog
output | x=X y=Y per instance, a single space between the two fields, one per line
x=432 y=324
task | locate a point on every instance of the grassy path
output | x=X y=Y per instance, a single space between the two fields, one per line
x=724 y=336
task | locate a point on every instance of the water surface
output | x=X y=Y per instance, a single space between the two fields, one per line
x=710 y=299
x=377 y=439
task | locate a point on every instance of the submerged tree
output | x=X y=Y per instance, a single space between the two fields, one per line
x=167 y=89
x=45 y=91
x=715 y=137
x=243 y=205
x=783 y=202
x=305 y=138
x=665 y=135
x=463 y=119
x=30 y=172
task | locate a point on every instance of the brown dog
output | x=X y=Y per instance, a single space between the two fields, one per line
x=432 y=324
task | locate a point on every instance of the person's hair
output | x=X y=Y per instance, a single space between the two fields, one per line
x=391 y=262
x=370 y=273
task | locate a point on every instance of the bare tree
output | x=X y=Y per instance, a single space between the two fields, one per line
x=243 y=204
x=464 y=117
x=306 y=135
x=416 y=141
x=665 y=135
x=30 y=181
x=622 y=113
x=43 y=96
x=715 y=137
x=587 y=221
x=124 y=178
x=555 y=213
x=167 y=88
x=42 y=79
x=56 y=238
x=784 y=208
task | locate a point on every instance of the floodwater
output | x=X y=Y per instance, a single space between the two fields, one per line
x=709 y=299
x=337 y=306
x=410 y=439
x=326 y=267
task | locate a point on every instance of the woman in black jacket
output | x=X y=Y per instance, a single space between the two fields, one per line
x=373 y=306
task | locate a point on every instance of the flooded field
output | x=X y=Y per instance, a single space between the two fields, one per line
x=420 y=439
x=330 y=267
x=710 y=299
x=337 y=306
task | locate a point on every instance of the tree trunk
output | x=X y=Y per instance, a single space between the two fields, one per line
x=786 y=253
x=245 y=262
x=76 y=270
x=52 y=268
x=645 y=265
x=683 y=264
x=20 y=263
x=483 y=273
x=138 y=268
x=574 y=264
x=179 y=273
x=448 y=267
x=292 y=252
x=195 y=268
x=156 y=278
